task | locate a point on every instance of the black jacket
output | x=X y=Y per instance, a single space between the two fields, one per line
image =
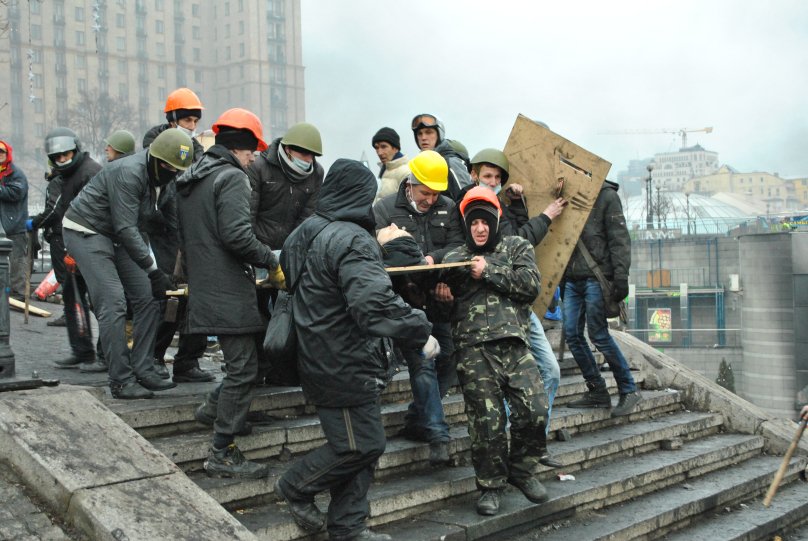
x=116 y=202
x=62 y=189
x=606 y=237
x=280 y=203
x=218 y=245
x=345 y=309
x=436 y=231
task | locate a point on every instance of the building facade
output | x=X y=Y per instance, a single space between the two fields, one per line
x=67 y=56
x=673 y=169
x=779 y=194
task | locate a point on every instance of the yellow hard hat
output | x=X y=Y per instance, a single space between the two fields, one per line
x=430 y=169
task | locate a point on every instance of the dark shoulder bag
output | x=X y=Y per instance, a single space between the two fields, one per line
x=280 y=340
x=613 y=307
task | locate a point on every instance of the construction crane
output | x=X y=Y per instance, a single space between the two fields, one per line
x=683 y=132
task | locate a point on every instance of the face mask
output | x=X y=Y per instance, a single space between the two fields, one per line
x=303 y=165
x=497 y=189
x=162 y=175
x=186 y=131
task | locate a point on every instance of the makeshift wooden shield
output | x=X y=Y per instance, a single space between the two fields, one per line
x=549 y=166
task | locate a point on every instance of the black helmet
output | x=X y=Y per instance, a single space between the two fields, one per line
x=61 y=140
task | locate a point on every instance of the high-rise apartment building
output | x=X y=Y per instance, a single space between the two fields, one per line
x=232 y=53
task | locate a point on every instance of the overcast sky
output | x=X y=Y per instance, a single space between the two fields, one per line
x=582 y=67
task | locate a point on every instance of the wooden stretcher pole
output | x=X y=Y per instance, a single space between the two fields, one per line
x=778 y=478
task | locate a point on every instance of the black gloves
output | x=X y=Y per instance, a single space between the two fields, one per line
x=620 y=289
x=160 y=283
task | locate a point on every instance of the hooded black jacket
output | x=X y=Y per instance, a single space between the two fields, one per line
x=218 y=246
x=279 y=203
x=345 y=309
x=606 y=237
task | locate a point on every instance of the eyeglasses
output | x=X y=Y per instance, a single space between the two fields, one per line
x=424 y=121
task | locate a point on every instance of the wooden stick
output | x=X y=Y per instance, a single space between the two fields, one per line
x=784 y=465
x=422 y=268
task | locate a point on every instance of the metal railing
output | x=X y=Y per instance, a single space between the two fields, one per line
x=689 y=338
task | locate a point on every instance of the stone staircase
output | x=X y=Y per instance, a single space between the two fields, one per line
x=669 y=470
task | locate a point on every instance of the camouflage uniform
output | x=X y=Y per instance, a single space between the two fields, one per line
x=489 y=326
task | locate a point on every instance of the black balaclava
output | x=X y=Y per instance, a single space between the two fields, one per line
x=488 y=212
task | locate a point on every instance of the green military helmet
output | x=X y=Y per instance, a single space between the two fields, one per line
x=459 y=147
x=305 y=136
x=121 y=141
x=494 y=157
x=174 y=147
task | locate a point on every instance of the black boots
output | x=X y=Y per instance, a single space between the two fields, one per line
x=595 y=397
x=306 y=514
x=229 y=462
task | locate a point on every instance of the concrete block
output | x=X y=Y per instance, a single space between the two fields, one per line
x=671 y=444
x=64 y=440
x=166 y=507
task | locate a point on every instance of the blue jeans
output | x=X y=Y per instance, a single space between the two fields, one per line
x=584 y=306
x=546 y=360
x=430 y=381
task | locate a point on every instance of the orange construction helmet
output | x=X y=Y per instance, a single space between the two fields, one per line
x=182 y=98
x=242 y=119
x=477 y=195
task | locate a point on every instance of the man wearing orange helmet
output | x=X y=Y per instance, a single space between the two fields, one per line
x=183 y=111
x=219 y=245
x=491 y=306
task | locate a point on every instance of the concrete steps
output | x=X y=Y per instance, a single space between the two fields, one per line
x=653 y=515
x=405 y=457
x=750 y=521
x=397 y=499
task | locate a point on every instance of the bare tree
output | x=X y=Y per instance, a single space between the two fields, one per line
x=96 y=115
x=662 y=206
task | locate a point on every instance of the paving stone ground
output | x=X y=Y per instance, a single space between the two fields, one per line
x=22 y=518
x=36 y=347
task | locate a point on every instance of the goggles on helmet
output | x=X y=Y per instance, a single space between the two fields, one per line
x=424 y=121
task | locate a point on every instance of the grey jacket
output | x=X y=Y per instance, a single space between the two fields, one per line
x=116 y=202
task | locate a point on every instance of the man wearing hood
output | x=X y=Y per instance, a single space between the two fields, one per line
x=346 y=315
x=72 y=169
x=14 y=214
x=102 y=233
x=218 y=246
x=492 y=304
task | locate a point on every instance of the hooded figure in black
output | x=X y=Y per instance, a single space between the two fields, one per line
x=346 y=315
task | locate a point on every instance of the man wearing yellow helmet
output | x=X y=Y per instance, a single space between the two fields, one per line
x=431 y=218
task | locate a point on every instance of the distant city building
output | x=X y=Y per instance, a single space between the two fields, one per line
x=779 y=194
x=632 y=180
x=230 y=52
x=673 y=169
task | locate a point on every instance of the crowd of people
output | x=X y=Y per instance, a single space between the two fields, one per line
x=245 y=218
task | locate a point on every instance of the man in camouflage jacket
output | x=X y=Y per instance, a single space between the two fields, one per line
x=492 y=302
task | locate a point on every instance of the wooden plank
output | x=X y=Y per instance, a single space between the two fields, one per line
x=548 y=165
x=20 y=307
x=421 y=268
